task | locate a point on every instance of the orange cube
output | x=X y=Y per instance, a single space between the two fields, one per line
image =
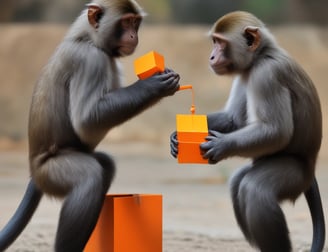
x=149 y=64
x=128 y=222
x=191 y=132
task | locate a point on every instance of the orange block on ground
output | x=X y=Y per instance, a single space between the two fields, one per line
x=191 y=132
x=149 y=64
x=128 y=222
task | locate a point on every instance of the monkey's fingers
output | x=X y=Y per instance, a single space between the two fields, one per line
x=214 y=136
x=215 y=133
x=212 y=161
x=174 y=138
x=162 y=76
x=171 y=72
x=168 y=78
x=208 y=154
x=211 y=156
x=206 y=146
x=210 y=138
x=174 y=144
x=174 y=151
x=171 y=86
x=168 y=70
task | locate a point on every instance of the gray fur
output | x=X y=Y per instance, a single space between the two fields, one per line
x=272 y=116
x=76 y=101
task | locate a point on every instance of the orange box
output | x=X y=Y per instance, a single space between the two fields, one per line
x=191 y=132
x=128 y=222
x=149 y=64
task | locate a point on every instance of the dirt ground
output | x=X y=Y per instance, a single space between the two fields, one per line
x=197 y=213
x=197 y=209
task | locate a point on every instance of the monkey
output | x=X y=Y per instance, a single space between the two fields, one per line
x=76 y=101
x=272 y=116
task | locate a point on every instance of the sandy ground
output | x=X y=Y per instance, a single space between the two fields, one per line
x=197 y=210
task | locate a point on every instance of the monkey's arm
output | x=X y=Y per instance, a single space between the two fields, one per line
x=233 y=116
x=121 y=104
x=269 y=128
x=96 y=106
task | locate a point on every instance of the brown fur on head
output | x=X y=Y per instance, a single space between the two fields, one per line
x=121 y=6
x=235 y=21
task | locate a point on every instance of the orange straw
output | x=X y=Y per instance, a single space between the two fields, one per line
x=185 y=87
x=192 y=108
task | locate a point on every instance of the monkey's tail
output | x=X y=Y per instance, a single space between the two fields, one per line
x=313 y=199
x=21 y=217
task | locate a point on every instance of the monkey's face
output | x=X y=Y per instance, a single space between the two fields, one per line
x=115 y=32
x=127 y=34
x=234 y=53
x=236 y=42
x=219 y=60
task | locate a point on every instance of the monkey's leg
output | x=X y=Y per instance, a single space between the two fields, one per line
x=236 y=200
x=107 y=162
x=86 y=178
x=271 y=180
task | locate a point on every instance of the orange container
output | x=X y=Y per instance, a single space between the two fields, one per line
x=191 y=132
x=128 y=222
x=149 y=64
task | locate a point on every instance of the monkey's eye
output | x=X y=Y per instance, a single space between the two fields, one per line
x=249 y=39
x=215 y=40
x=131 y=22
x=126 y=22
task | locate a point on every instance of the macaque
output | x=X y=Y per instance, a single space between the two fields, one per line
x=272 y=116
x=76 y=101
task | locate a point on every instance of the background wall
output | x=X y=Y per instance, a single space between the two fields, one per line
x=174 y=28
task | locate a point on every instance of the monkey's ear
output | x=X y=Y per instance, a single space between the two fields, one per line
x=95 y=12
x=253 y=37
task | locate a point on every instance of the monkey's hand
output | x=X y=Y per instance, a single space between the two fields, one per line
x=174 y=144
x=163 y=84
x=215 y=149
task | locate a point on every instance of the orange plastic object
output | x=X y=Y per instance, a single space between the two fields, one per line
x=128 y=222
x=191 y=132
x=193 y=107
x=185 y=87
x=149 y=64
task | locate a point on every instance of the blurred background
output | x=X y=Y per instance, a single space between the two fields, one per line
x=172 y=11
x=30 y=30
